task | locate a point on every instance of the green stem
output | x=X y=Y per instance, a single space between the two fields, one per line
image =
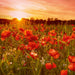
x=2 y=69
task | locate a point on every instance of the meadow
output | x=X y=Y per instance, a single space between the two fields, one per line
x=37 y=49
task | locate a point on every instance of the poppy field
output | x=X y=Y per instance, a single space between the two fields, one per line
x=37 y=50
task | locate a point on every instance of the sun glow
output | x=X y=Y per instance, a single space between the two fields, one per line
x=19 y=18
x=19 y=14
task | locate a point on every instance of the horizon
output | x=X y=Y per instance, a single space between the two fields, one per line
x=61 y=9
x=20 y=19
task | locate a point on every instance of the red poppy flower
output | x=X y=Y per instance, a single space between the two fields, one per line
x=72 y=36
x=42 y=25
x=47 y=39
x=33 y=55
x=61 y=47
x=3 y=47
x=43 y=43
x=71 y=59
x=17 y=37
x=24 y=64
x=32 y=38
x=54 y=65
x=64 y=72
x=56 y=56
x=42 y=30
x=28 y=33
x=21 y=29
x=21 y=47
x=72 y=24
x=50 y=66
x=73 y=28
x=5 y=34
x=52 y=33
x=14 y=33
x=36 y=28
x=32 y=46
x=66 y=39
x=54 y=53
x=71 y=66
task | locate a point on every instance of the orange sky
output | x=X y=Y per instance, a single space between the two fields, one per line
x=62 y=9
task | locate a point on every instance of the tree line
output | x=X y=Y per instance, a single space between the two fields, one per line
x=32 y=21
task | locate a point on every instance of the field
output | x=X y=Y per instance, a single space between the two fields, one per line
x=37 y=49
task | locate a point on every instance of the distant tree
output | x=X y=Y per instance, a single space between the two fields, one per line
x=48 y=21
x=56 y=21
x=37 y=21
x=32 y=20
x=41 y=21
x=44 y=21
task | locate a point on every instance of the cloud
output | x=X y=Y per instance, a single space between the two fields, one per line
x=43 y=8
x=7 y=8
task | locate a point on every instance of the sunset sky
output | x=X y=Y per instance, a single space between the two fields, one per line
x=62 y=9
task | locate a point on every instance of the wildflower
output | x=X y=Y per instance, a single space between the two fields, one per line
x=72 y=24
x=42 y=25
x=56 y=56
x=47 y=39
x=42 y=61
x=61 y=47
x=54 y=53
x=17 y=37
x=73 y=28
x=72 y=36
x=71 y=59
x=3 y=47
x=24 y=64
x=66 y=39
x=5 y=34
x=36 y=28
x=32 y=46
x=10 y=63
x=28 y=33
x=32 y=38
x=21 y=29
x=43 y=43
x=14 y=34
x=53 y=41
x=21 y=47
x=50 y=66
x=71 y=66
x=42 y=30
x=33 y=55
x=64 y=72
x=52 y=33
x=54 y=65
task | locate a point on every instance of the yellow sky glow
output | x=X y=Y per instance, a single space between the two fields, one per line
x=62 y=9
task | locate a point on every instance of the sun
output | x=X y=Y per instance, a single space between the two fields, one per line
x=19 y=18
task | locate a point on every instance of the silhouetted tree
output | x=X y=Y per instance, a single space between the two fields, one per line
x=37 y=21
x=48 y=21
x=32 y=20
